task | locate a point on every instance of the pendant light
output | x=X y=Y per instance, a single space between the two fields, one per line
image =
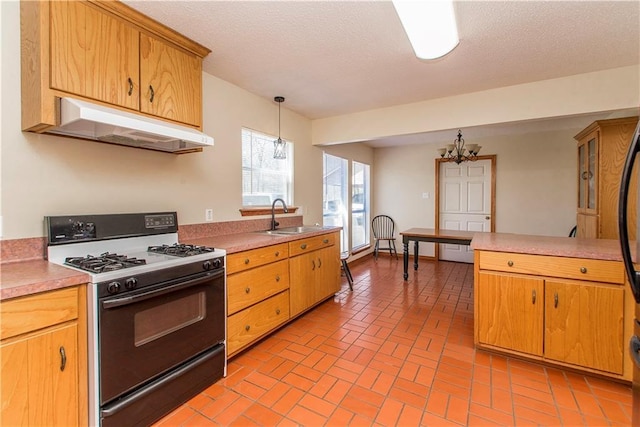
x=279 y=147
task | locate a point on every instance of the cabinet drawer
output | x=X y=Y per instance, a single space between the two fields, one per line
x=256 y=257
x=250 y=324
x=30 y=313
x=251 y=286
x=567 y=268
x=302 y=246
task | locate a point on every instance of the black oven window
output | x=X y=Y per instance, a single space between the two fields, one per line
x=163 y=319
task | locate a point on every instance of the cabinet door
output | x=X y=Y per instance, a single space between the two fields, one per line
x=588 y=174
x=587 y=226
x=170 y=82
x=584 y=325
x=328 y=280
x=510 y=312
x=14 y=384
x=303 y=273
x=35 y=391
x=93 y=54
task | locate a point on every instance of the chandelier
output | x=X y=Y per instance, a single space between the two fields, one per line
x=279 y=146
x=458 y=152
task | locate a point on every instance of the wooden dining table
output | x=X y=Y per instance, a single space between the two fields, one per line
x=431 y=235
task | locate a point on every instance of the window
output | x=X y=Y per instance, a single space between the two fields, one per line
x=360 y=206
x=334 y=195
x=264 y=178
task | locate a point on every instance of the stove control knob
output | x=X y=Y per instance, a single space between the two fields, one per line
x=217 y=263
x=131 y=283
x=113 y=287
x=207 y=265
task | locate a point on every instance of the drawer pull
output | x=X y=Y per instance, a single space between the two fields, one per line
x=277 y=311
x=583 y=270
x=555 y=300
x=130 y=86
x=246 y=261
x=325 y=241
x=510 y=263
x=303 y=246
x=277 y=277
x=277 y=253
x=63 y=359
x=246 y=328
x=533 y=296
x=247 y=289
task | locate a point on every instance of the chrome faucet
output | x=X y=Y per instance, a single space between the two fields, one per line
x=275 y=223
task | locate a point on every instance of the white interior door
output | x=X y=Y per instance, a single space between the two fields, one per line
x=465 y=203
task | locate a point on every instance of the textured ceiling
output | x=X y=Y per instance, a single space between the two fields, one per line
x=335 y=57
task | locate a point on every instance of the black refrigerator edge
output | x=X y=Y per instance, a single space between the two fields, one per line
x=632 y=274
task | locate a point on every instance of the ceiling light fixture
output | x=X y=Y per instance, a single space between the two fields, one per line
x=456 y=152
x=430 y=26
x=279 y=146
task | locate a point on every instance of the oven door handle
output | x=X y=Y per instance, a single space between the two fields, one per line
x=126 y=300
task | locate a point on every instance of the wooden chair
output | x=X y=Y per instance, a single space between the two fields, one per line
x=384 y=230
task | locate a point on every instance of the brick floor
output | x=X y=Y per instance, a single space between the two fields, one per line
x=397 y=353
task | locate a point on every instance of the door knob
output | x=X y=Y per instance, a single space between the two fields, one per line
x=487 y=217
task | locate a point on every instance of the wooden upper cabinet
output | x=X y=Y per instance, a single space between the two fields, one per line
x=107 y=52
x=94 y=55
x=170 y=82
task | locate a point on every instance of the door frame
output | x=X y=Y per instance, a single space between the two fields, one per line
x=493 y=159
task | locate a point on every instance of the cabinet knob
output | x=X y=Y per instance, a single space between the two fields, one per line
x=277 y=311
x=153 y=94
x=510 y=263
x=246 y=261
x=325 y=241
x=130 y=86
x=303 y=246
x=277 y=253
x=277 y=277
x=246 y=328
x=63 y=358
x=247 y=289
x=533 y=296
x=583 y=270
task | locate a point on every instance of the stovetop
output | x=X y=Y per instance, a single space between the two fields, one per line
x=112 y=247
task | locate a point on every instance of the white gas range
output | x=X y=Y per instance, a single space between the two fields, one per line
x=156 y=311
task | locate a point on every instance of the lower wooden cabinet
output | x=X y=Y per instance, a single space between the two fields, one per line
x=577 y=323
x=266 y=287
x=43 y=379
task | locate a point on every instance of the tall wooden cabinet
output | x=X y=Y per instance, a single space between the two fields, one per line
x=107 y=52
x=602 y=149
x=43 y=380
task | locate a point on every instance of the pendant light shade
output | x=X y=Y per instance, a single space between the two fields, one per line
x=279 y=146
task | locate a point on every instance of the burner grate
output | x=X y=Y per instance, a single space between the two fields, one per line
x=180 y=250
x=104 y=262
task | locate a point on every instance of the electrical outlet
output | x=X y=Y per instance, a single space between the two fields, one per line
x=208 y=215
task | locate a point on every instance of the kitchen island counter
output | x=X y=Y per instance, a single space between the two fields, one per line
x=34 y=276
x=602 y=249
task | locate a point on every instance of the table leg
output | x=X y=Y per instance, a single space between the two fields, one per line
x=405 y=258
x=415 y=255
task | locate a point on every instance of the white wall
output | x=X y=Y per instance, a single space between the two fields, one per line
x=46 y=175
x=535 y=183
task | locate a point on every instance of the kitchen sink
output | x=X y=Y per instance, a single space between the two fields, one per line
x=293 y=230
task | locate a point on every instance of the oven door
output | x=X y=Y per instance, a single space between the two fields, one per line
x=146 y=333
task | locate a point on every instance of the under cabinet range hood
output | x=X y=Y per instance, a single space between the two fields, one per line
x=82 y=119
